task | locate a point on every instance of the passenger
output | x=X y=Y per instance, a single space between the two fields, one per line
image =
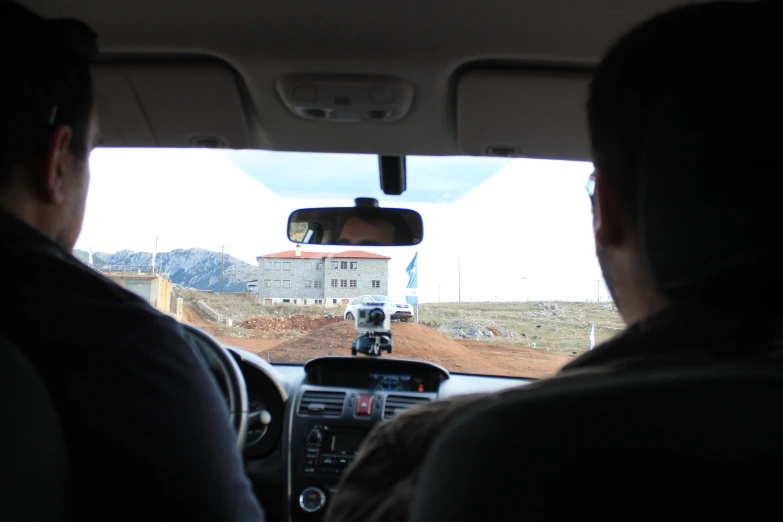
x=682 y=117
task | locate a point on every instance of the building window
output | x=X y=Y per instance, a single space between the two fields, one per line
x=335 y=265
x=343 y=265
x=354 y=265
x=343 y=283
x=267 y=265
x=277 y=284
x=319 y=301
x=334 y=301
x=318 y=284
x=286 y=300
x=334 y=283
x=353 y=283
x=277 y=265
x=319 y=266
x=286 y=284
x=308 y=266
x=376 y=283
x=308 y=284
x=287 y=265
x=268 y=283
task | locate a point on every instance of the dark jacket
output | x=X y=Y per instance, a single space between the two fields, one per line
x=146 y=428
x=380 y=485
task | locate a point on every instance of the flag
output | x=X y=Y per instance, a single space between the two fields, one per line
x=412 y=293
x=592 y=335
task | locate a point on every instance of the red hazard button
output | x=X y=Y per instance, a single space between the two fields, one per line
x=364 y=405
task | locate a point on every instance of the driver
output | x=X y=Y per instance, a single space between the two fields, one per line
x=367 y=227
x=686 y=160
x=147 y=430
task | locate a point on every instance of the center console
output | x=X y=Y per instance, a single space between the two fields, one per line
x=339 y=402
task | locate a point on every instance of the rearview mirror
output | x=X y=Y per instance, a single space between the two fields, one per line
x=356 y=226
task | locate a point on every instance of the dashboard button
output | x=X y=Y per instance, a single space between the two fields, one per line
x=310 y=462
x=364 y=405
x=342 y=461
x=312 y=499
x=309 y=470
x=327 y=461
x=315 y=437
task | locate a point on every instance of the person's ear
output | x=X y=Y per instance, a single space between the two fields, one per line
x=611 y=215
x=55 y=163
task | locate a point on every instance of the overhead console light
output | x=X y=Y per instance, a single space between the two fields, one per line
x=346 y=98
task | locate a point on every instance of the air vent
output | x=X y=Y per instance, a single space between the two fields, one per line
x=399 y=403
x=322 y=404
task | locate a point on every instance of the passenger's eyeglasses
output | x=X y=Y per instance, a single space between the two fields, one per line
x=590 y=188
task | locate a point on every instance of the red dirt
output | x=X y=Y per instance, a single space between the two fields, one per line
x=191 y=315
x=415 y=341
x=333 y=336
x=252 y=345
x=305 y=324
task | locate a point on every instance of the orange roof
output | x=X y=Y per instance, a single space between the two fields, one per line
x=358 y=254
x=291 y=254
x=353 y=254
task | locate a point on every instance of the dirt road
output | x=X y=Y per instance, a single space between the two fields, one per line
x=191 y=315
x=411 y=341
x=415 y=341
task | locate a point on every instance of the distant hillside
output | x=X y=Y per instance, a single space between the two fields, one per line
x=195 y=267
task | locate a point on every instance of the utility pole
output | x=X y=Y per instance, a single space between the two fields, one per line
x=459 y=281
x=598 y=289
x=222 y=256
x=154 y=253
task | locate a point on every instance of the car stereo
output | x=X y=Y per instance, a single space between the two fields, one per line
x=330 y=450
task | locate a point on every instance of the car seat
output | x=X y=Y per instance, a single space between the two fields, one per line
x=34 y=461
x=680 y=444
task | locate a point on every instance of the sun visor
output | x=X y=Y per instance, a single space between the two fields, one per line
x=523 y=113
x=170 y=105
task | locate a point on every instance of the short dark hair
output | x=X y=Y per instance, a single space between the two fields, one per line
x=671 y=67
x=683 y=113
x=46 y=83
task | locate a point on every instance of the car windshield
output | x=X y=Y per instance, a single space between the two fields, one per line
x=505 y=281
x=381 y=299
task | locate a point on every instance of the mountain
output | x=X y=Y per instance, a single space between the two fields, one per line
x=195 y=267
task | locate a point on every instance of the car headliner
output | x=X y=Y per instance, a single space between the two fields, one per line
x=429 y=44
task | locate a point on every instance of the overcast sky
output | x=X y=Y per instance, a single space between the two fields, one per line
x=517 y=229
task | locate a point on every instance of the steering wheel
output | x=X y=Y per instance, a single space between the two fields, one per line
x=228 y=375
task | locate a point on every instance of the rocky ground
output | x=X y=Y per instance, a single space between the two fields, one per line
x=511 y=339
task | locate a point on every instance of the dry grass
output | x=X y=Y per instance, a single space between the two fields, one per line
x=241 y=306
x=556 y=326
x=237 y=306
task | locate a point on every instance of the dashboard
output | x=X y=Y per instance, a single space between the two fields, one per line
x=320 y=413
